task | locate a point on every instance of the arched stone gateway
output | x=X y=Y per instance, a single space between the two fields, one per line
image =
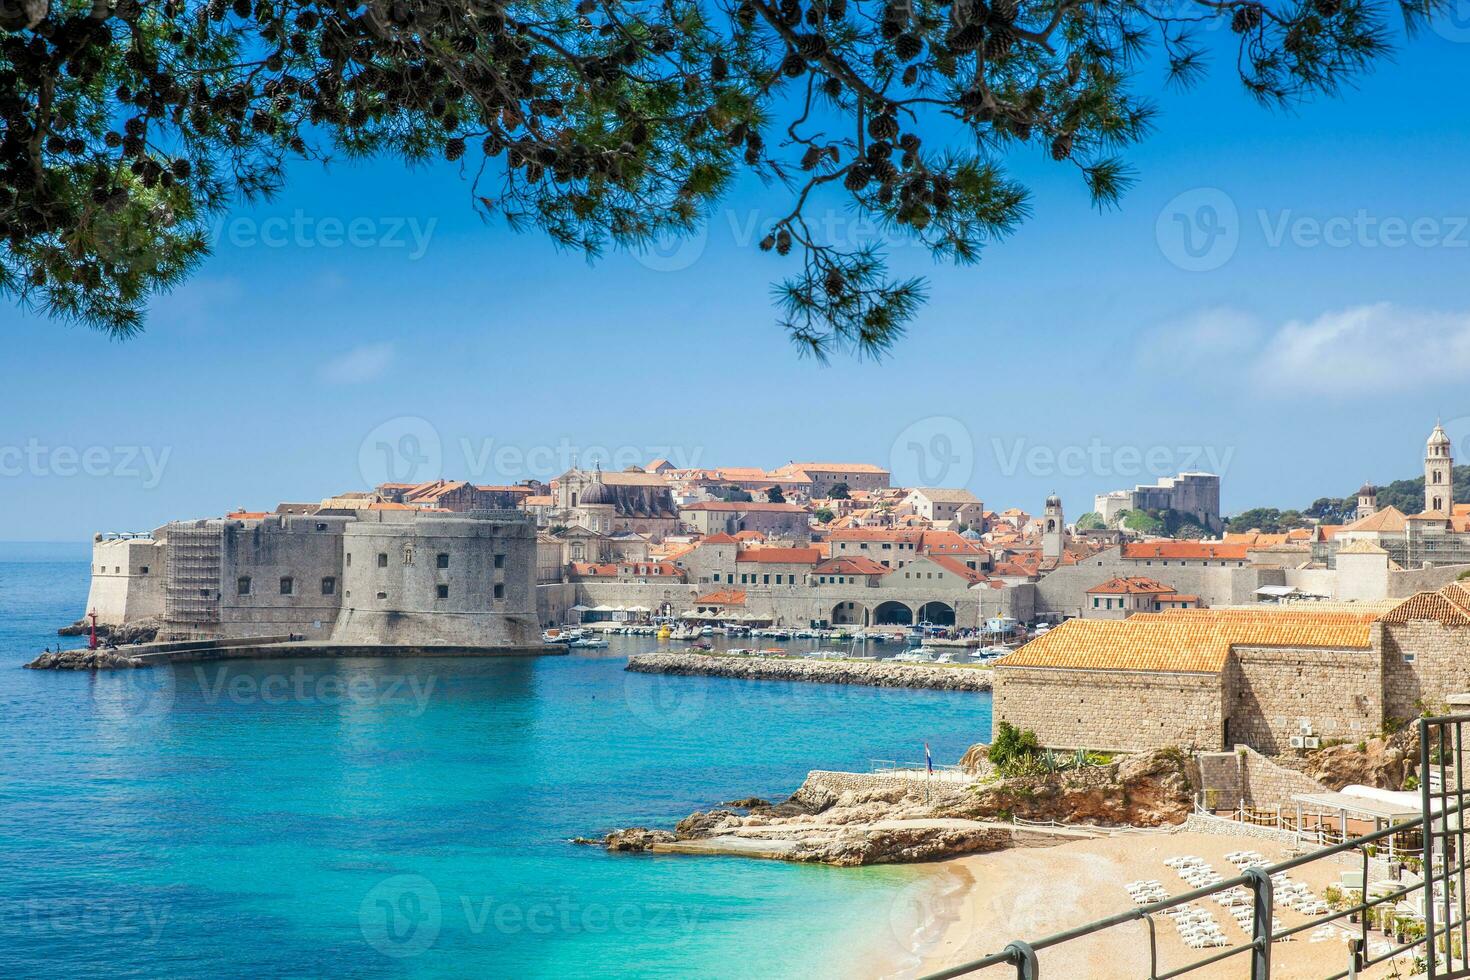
x=850 y=614
x=938 y=613
x=893 y=614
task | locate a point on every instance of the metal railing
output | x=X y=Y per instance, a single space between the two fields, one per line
x=1446 y=939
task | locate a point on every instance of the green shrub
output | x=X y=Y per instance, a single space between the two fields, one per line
x=1011 y=743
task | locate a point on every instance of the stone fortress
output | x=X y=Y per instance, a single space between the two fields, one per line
x=1194 y=495
x=382 y=573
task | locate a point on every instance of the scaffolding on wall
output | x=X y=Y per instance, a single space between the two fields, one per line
x=192 y=589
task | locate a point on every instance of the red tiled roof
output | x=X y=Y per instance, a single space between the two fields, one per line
x=851 y=565
x=729 y=597
x=752 y=506
x=1185 y=550
x=1135 y=585
x=957 y=568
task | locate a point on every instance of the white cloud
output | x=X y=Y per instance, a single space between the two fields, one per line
x=1202 y=339
x=1366 y=349
x=359 y=365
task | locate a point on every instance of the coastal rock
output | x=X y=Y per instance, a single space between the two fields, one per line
x=83 y=660
x=899 y=845
x=929 y=676
x=635 y=839
x=704 y=824
x=749 y=803
x=1383 y=762
x=125 y=634
x=1149 y=790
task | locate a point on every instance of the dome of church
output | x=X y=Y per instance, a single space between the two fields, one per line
x=1054 y=501
x=1367 y=490
x=970 y=534
x=596 y=492
x=1438 y=437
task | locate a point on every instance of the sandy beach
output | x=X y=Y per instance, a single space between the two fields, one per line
x=973 y=906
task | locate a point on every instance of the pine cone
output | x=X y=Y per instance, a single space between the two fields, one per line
x=1245 y=19
x=1000 y=42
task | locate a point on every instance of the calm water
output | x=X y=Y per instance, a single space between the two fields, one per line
x=385 y=818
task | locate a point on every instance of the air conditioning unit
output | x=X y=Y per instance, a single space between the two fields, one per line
x=1298 y=741
x=1312 y=742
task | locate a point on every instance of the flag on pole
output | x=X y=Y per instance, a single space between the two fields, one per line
x=928 y=759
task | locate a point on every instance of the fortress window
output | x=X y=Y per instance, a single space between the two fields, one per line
x=443 y=560
x=382 y=559
x=143 y=570
x=242 y=585
x=329 y=586
x=288 y=585
x=382 y=595
x=499 y=561
x=442 y=591
x=499 y=591
x=349 y=559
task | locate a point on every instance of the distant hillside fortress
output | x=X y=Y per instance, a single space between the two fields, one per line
x=1193 y=495
x=384 y=573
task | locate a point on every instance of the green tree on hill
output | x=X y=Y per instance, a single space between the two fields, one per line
x=1090 y=521
x=1141 y=521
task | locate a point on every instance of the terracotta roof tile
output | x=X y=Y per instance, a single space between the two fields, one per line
x=1186 y=640
x=1185 y=550
x=728 y=597
x=1134 y=585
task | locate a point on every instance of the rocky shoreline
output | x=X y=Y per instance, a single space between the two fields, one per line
x=122 y=634
x=83 y=660
x=851 y=819
x=933 y=677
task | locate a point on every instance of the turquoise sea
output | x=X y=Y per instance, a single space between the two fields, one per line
x=387 y=818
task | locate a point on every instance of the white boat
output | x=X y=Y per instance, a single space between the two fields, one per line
x=954 y=656
x=918 y=655
x=588 y=643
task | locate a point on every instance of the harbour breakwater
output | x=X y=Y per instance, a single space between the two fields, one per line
x=931 y=676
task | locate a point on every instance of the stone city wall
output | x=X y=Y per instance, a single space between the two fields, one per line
x=1424 y=662
x=1244 y=777
x=1273 y=693
x=128 y=578
x=1111 y=710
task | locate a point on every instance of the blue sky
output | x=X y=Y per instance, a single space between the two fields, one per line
x=1303 y=340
